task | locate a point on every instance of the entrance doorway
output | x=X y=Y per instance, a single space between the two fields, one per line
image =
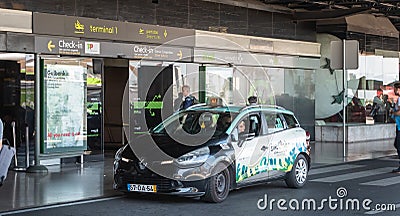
x=116 y=74
x=17 y=102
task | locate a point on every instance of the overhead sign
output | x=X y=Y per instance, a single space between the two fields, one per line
x=70 y=46
x=82 y=27
x=62 y=46
x=161 y=53
x=148 y=52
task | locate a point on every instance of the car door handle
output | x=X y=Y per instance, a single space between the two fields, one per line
x=264 y=148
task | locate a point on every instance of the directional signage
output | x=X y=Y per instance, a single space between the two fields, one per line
x=161 y=53
x=148 y=52
x=62 y=46
x=50 y=46
x=71 y=46
x=82 y=27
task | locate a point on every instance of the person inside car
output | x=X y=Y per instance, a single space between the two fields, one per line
x=224 y=122
x=242 y=127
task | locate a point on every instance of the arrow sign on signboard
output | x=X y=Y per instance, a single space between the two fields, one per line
x=179 y=54
x=50 y=46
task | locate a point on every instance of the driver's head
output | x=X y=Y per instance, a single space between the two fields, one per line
x=242 y=126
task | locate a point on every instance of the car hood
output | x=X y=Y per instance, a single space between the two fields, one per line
x=157 y=144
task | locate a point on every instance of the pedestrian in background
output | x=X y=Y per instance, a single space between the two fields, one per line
x=378 y=107
x=396 y=114
x=187 y=99
x=252 y=100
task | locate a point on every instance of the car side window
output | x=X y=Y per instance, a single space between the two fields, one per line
x=249 y=124
x=274 y=122
x=255 y=125
x=290 y=121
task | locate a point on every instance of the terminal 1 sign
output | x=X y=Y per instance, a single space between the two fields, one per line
x=82 y=27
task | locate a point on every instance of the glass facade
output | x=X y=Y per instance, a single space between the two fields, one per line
x=373 y=92
x=370 y=92
x=293 y=89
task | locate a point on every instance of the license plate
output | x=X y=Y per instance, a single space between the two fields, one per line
x=142 y=188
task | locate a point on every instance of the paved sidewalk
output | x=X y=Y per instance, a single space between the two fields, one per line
x=71 y=182
x=63 y=183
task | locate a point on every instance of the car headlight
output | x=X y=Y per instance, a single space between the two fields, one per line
x=195 y=157
x=118 y=154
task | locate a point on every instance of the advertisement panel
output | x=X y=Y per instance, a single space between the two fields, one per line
x=64 y=108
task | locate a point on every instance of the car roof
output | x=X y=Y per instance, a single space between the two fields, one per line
x=240 y=109
x=203 y=107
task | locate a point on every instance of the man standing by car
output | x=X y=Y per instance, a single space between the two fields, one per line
x=396 y=114
x=187 y=99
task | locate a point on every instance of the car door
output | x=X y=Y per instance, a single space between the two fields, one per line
x=248 y=142
x=283 y=146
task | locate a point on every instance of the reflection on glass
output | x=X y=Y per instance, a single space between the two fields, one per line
x=184 y=74
x=293 y=89
x=370 y=91
x=219 y=82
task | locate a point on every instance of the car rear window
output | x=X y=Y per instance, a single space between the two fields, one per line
x=290 y=120
x=274 y=122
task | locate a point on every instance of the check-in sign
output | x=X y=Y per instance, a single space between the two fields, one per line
x=54 y=45
x=92 y=48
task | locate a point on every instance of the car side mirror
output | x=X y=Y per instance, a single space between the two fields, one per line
x=246 y=136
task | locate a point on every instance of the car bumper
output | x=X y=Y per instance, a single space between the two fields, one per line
x=125 y=174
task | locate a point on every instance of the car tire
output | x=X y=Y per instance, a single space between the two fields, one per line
x=218 y=185
x=297 y=177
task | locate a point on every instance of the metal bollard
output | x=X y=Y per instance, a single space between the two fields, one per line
x=14 y=143
x=16 y=168
x=27 y=146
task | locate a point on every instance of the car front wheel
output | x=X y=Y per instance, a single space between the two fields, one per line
x=218 y=186
x=297 y=177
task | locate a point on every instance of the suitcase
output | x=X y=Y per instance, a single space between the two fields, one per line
x=6 y=155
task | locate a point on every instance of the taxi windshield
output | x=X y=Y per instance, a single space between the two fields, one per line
x=196 y=122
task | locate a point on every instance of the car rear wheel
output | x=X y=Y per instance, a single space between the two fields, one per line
x=297 y=177
x=218 y=186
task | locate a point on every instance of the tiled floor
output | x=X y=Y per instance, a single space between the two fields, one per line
x=63 y=183
x=72 y=182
